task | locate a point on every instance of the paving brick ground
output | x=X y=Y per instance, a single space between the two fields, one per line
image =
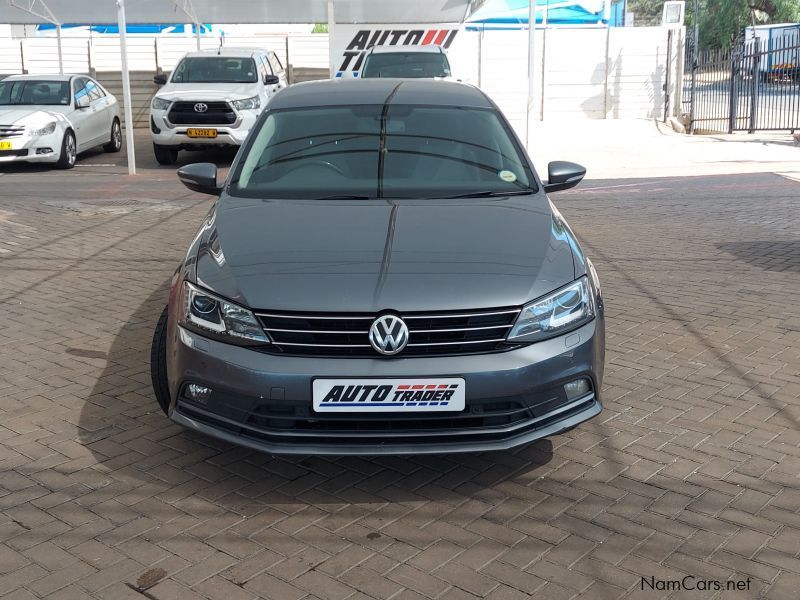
x=692 y=469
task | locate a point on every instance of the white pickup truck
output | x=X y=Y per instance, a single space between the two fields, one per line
x=212 y=98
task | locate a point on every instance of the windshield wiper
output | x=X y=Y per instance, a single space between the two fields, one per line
x=344 y=197
x=490 y=194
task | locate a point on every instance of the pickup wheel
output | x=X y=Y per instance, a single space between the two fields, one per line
x=158 y=362
x=165 y=155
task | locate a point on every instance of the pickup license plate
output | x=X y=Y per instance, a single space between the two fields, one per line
x=201 y=133
x=6 y=146
x=389 y=395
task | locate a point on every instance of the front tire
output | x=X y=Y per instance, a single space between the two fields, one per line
x=115 y=141
x=165 y=155
x=158 y=362
x=69 y=151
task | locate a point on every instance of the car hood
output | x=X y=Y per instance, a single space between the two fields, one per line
x=207 y=91
x=31 y=115
x=406 y=255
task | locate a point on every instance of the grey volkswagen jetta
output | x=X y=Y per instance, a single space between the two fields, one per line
x=382 y=273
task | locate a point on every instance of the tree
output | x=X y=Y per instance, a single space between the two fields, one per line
x=721 y=20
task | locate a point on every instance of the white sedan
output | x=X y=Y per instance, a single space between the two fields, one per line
x=52 y=118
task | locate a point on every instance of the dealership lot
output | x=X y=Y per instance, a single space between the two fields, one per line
x=692 y=469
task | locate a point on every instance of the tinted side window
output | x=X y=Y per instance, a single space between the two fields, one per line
x=277 y=67
x=79 y=85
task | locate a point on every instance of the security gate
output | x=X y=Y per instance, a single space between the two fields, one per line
x=753 y=86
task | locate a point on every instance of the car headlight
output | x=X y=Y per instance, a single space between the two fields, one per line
x=46 y=130
x=564 y=309
x=210 y=314
x=160 y=103
x=247 y=103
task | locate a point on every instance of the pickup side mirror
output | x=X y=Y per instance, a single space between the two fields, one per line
x=200 y=177
x=160 y=79
x=271 y=80
x=562 y=175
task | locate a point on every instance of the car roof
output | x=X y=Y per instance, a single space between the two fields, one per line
x=229 y=51
x=43 y=77
x=428 y=49
x=343 y=92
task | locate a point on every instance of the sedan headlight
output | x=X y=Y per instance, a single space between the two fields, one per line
x=210 y=314
x=46 y=130
x=247 y=103
x=160 y=103
x=564 y=309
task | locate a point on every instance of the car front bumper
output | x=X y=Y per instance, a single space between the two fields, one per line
x=45 y=148
x=263 y=401
x=170 y=134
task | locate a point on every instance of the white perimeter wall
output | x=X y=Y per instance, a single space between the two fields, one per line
x=581 y=73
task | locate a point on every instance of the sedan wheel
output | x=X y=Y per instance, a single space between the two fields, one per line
x=69 y=152
x=115 y=142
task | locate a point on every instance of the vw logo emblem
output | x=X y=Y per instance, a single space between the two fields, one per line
x=388 y=334
x=200 y=107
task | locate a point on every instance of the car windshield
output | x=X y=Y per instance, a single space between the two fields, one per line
x=377 y=151
x=34 y=92
x=406 y=64
x=215 y=69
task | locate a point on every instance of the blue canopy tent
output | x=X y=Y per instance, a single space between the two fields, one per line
x=513 y=14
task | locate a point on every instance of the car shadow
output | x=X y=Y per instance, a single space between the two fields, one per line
x=135 y=444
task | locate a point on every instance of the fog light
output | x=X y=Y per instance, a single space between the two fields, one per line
x=198 y=393
x=44 y=151
x=577 y=388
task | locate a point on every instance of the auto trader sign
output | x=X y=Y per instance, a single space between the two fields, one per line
x=351 y=41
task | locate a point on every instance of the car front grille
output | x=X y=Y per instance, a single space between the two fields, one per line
x=7 y=131
x=217 y=113
x=430 y=333
x=295 y=423
x=23 y=152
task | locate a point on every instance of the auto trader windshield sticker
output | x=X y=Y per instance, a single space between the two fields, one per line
x=508 y=176
x=351 y=41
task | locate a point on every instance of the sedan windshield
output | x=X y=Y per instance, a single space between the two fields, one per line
x=34 y=92
x=376 y=151
x=406 y=64
x=215 y=69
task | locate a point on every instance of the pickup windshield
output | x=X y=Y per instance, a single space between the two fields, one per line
x=406 y=65
x=376 y=151
x=215 y=69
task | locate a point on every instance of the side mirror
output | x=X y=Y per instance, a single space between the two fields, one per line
x=562 y=175
x=271 y=80
x=82 y=102
x=160 y=79
x=200 y=177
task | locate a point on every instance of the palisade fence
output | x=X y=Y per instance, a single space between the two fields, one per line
x=592 y=73
x=754 y=85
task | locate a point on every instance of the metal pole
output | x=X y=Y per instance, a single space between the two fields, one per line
x=126 y=86
x=60 y=53
x=531 y=69
x=197 y=34
x=331 y=37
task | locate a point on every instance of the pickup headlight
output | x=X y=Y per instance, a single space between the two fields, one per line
x=216 y=317
x=160 y=103
x=557 y=313
x=46 y=130
x=247 y=103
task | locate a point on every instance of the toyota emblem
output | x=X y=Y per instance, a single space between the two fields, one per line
x=388 y=334
x=200 y=107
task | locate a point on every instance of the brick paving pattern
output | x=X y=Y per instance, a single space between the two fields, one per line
x=692 y=469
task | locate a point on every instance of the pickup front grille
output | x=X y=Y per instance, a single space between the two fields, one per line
x=216 y=113
x=7 y=131
x=430 y=333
